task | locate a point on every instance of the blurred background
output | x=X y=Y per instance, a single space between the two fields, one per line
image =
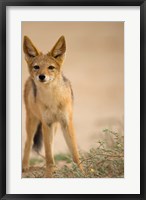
x=95 y=66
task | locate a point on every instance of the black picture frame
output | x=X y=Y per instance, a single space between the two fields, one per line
x=3 y=125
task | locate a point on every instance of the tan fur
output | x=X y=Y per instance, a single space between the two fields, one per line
x=50 y=103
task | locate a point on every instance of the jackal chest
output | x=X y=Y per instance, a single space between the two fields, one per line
x=52 y=109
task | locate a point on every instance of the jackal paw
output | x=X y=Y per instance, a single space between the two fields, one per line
x=25 y=168
x=81 y=168
x=50 y=171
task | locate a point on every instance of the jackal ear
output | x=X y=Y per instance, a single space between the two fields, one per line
x=29 y=49
x=58 y=51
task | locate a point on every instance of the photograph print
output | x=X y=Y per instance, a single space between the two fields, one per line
x=72 y=99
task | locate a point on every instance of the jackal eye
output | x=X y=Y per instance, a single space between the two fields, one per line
x=36 y=67
x=51 y=67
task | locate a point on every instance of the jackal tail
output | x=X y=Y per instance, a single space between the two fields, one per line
x=37 y=140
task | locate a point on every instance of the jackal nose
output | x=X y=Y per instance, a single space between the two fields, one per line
x=41 y=77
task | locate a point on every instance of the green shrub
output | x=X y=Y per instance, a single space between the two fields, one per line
x=99 y=162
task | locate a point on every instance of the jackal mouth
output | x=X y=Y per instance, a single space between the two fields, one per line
x=42 y=81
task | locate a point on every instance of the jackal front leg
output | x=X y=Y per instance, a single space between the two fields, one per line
x=31 y=126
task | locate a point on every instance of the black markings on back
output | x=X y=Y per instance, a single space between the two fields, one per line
x=65 y=79
x=72 y=94
x=34 y=89
x=67 y=82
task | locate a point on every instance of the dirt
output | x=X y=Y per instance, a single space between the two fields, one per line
x=38 y=170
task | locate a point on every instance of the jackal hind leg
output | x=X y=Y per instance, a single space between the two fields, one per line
x=48 y=137
x=70 y=138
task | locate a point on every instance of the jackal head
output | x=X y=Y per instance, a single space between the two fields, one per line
x=44 y=68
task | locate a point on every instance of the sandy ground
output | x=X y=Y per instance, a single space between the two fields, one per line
x=95 y=65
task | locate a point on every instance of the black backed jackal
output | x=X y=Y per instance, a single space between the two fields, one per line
x=48 y=99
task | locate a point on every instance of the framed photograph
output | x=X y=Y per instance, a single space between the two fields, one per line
x=72 y=99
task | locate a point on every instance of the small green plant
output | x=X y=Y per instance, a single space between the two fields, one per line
x=34 y=161
x=63 y=157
